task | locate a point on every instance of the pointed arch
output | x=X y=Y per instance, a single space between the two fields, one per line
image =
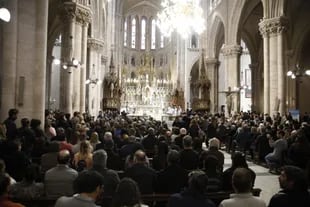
x=216 y=37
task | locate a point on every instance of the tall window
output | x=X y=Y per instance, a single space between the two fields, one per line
x=162 y=41
x=143 y=34
x=125 y=33
x=133 y=33
x=153 y=37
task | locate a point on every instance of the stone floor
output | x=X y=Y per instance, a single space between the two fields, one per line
x=264 y=180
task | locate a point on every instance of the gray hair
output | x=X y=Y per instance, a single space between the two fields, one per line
x=100 y=158
x=108 y=136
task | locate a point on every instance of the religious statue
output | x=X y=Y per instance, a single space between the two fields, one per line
x=229 y=100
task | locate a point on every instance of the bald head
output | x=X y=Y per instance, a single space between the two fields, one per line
x=63 y=157
x=139 y=157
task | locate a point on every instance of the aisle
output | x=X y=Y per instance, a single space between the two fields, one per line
x=264 y=180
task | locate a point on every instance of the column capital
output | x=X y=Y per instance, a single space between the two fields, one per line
x=96 y=44
x=273 y=26
x=229 y=50
x=73 y=11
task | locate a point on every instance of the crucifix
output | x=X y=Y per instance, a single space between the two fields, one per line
x=229 y=99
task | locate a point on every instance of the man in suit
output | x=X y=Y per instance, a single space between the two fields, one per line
x=145 y=177
x=174 y=178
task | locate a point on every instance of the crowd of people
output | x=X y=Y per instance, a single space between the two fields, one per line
x=113 y=159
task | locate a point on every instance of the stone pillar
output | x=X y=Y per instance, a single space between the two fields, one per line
x=212 y=72
x=255 y=87
x=8 y=71
x=274 y=81
x=66 y=83
x=232 y=70
x=95 y=46
x=83 y=67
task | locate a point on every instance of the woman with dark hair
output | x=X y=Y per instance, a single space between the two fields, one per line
x=194 y=195
x=238 y=161
x=127 y=194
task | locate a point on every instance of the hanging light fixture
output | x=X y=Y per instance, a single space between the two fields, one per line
x=183 y=16
x=5 y=14
x=298 y=72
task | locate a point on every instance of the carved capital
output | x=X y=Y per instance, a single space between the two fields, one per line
x=95 y=44
x=229 y=50
x=273 y=26
x=83 y=14
x=71 y=11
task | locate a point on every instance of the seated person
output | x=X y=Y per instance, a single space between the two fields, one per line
x=58 y=180
x=88 y=186
x=294 y=191
x=28 y=188
x=194 y=195
x=4 y=199
x=242 y=184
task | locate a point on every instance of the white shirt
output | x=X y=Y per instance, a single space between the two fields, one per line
x=244 y=200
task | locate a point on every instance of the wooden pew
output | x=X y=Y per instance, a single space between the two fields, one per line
x=216 y=197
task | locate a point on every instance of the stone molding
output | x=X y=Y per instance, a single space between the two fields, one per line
x=211 y=61
x=273 y=26
x=73 y=11
x=95 y=44
x=229 y=50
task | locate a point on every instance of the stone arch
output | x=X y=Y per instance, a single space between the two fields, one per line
x=234 y=18
x=217 y=36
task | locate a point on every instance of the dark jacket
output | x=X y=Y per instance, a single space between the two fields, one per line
x=187 y=199
x=287 y=198
x=172 y=179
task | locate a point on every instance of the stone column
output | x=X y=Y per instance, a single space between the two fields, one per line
x=274 y=86
x=83 y=67
x=232 y=70
x=212 y=73
x=255 y=87
x=66 y=83
x=8 y=71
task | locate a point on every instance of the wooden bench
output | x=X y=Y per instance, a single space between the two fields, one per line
x=216 y=197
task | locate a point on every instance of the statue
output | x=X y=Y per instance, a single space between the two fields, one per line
x=229 y=99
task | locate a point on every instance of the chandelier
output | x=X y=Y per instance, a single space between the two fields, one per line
x=298 y=72
x=183 y=16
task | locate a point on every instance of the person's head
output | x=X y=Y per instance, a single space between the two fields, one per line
x=63 y=157
x=173 y=157
x=139 y=157
x=4 y=184
x=107 y=136
x=100 y=159
x=89 y=182
x=25 y=122
x=293 y=178
x=13 y=114
x=163 y=148
x=197 y=182
x=85 y=147
x=127 y=193
x=242 y=180
x=35 y=123
x=183 y=131
x=238 y=160
x=187 y=141
x=94 y=137
x=214 y=142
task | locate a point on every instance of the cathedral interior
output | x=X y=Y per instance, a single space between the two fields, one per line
x=92 y=55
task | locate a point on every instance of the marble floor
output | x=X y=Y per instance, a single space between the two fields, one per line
x=264 y=180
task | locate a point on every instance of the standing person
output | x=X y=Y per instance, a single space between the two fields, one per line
x=88 y=186
x=194 y=195
x=127 y=194
x=294 y=191
x=11 y=129
x=242 y=184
